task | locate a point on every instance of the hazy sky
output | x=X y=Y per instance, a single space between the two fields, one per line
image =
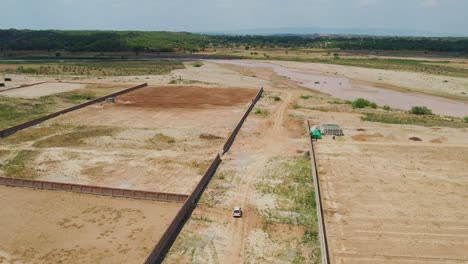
x=440 y=16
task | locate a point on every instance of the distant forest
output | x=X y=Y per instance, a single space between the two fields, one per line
x=115 y=41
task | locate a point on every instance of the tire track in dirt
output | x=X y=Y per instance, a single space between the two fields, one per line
x=269 y=144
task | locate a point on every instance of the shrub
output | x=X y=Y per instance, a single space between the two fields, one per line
x=465 y=119
x=22 y=69
x=261 y=112
x=420 y=110
x=197 y=64
x=362 y=103
x=277 y=98
x=305 y=97
x=387 y=108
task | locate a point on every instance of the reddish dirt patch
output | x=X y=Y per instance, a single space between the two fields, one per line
x=438 y=140
x=363 y=137
x=186 y=97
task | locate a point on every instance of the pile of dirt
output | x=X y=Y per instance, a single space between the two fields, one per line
x=438 y=140
x=364 y=137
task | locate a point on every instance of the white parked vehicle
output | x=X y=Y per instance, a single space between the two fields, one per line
x=237 y=212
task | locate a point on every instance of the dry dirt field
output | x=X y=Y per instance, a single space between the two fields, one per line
x=43 y=89
x=388 y=199
x=156 y=139
x=59 y=227
x=401 y=202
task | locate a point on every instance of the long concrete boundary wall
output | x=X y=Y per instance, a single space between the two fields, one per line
x=12 y=130
x=160 y=250
x=95 y=190
x=236 y=130
x=318 y=199
x=165 y=242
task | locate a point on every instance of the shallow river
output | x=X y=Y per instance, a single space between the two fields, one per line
x=343 y=88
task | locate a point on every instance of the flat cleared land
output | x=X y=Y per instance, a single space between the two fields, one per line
x=43 y=89
x=388 y=199
x=27 y=103
x=60 y=227
x=156 y=139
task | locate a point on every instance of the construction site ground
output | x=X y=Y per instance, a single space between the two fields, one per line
x=387 y=199
x=60 y=227
x=154 y=139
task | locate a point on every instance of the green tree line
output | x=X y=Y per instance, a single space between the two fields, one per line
x=114 y=41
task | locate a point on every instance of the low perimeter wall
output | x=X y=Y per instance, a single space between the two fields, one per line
x=160 y=250
x=236 y=130
x=95 y=190
x=12 y=130
x=318 y=199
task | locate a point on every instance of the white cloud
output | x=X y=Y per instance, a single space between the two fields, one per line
x=429 y=3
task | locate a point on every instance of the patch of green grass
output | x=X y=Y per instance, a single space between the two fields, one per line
x=305 y=97
x=201 y=219
x=14 y=111
x=161 y=138
x=420 y=110
x=79 y=97
x=261 y=112
x=296 y=195
x=410 y=119
x=19 y=166
x=172 y=81
x=75 y=138
x=95 y=68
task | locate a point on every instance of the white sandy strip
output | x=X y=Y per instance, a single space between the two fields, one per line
x=42 y=90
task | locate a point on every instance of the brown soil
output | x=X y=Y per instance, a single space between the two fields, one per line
x=185 y=97
x=59 y=227
x=438 y=140
x=364 y=137
x=150 y=146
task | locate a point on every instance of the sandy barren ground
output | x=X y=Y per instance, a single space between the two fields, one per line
x=419 y=82
x=155 y=139
x=388 y=199
x=42 y=90
x=212 y=235
x=59 y=227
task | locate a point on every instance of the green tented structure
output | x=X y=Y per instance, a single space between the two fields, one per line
x=316 y=134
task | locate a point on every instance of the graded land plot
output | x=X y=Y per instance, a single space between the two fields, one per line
x=155 y=139
x=42 y=89
x=59 y=227
x=394 y=193
x=267 y=173
x=24 y=104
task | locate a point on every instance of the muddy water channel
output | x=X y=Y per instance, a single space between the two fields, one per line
x=344 y=88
